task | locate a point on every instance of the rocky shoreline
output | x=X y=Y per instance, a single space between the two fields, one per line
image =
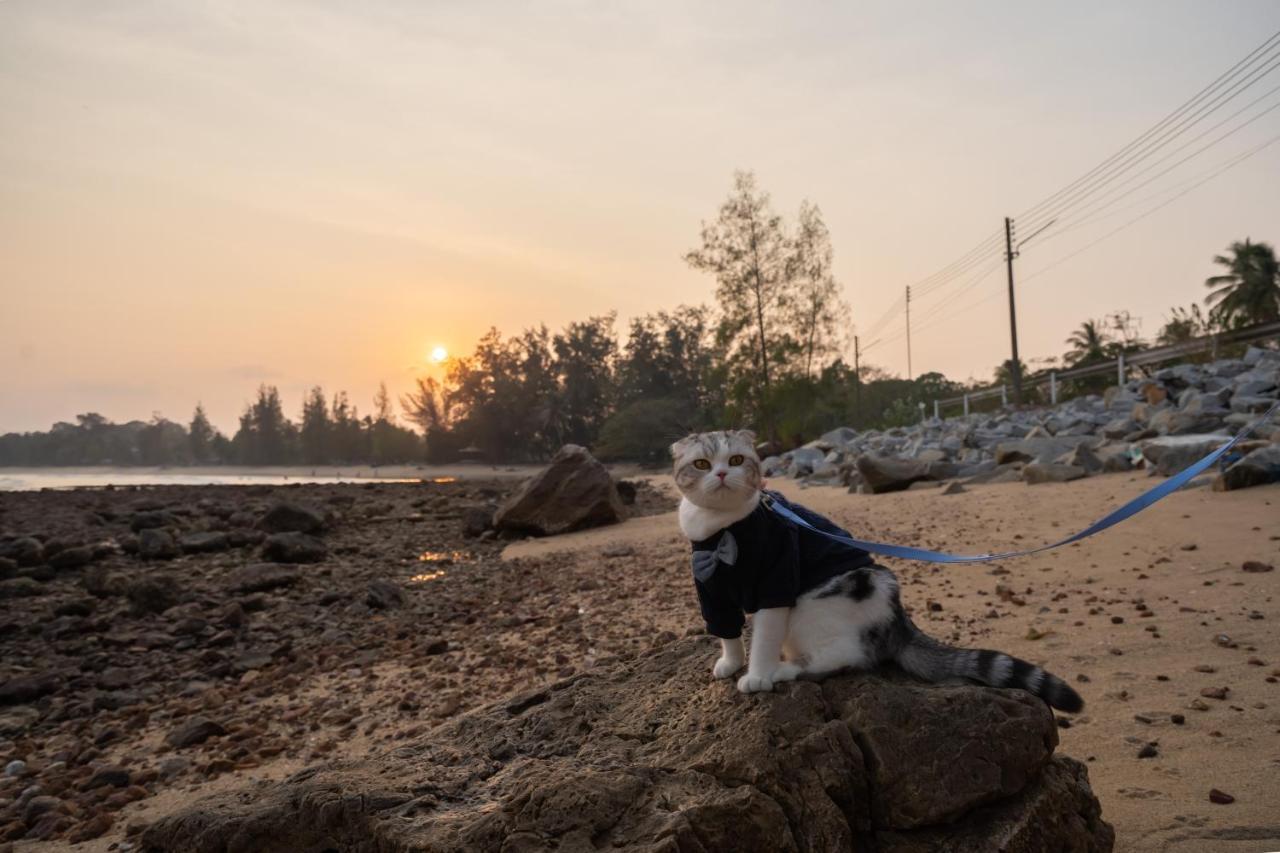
x=155 y=639
x=1162 y=423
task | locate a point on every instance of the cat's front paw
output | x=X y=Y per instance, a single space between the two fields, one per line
x=754 y=683
x=786 y=671
x=725 y=667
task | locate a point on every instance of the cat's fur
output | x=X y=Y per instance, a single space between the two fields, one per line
x=855 y=620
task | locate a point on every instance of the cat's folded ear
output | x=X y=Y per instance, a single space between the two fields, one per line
x=682 y=445
x=747 y=435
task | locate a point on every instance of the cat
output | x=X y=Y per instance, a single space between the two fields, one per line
x=819 y=605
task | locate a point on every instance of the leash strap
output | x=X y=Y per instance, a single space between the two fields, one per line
x=1113 y=518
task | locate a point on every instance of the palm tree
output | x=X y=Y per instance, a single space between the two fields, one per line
x=1249 y=292
x=1088 y=344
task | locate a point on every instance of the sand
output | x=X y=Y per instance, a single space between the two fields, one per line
x=548 y=607
x=1182 y=558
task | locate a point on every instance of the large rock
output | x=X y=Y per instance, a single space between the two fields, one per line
x=802 y=460
x=1052 y=472
x=884 y=474
x=1258 y=468
x=651 y=754
x=1170 y=454
x=1038 y=449
x=574 y=492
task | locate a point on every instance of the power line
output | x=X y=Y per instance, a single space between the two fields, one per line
x=1106 y=202
x=1195 y=180
x=1227 y=166
x=1157 y=127
x=1102 y=181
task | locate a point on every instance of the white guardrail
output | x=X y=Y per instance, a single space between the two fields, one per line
x=1120 y=365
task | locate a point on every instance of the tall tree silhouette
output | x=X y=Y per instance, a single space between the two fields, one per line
x=1249 y=292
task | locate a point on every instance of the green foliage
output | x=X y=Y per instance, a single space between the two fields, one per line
x=1249 y=292
x=780 y=311
x=1184 y=324
x=644 y=430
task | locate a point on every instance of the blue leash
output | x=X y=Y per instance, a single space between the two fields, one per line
x=1116 y=516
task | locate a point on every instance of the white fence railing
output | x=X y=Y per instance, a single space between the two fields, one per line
x=1120 y=366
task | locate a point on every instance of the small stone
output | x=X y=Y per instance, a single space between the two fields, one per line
x=384 y=595
x=1190 y=546
x=435 y=646
x=195 y=731
x=1117 y=620
x=1214 y=692
x=94 y=827
x=1204 y=667
x=1177 y=719
x=156 y=544
x=116 y=777
x=293 y=548
x=153 y=594
x=291 y=518
x=1148 y=750
x=1222 y=798
x=15 y=768
x=1256 y=567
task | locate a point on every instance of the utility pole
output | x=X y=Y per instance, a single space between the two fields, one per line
x=1015 y=367
x=910 y=373
x=857 y=381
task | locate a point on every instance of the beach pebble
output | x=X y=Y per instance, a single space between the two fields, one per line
x=1222 y=798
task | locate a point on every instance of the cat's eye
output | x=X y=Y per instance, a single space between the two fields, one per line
x=702 y=465
x=736 y=459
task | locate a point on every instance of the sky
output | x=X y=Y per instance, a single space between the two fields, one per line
x=199 y=196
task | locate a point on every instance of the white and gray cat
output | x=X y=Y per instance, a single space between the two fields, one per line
x=819 y=605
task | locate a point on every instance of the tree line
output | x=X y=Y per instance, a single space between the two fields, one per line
x=770 y=354
x=325 y=434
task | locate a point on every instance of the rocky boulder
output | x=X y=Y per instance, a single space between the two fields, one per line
x=1052 y=472
x=1038 y=449
x=884 y=474
x=1258 y=468
x=573 y=493
x=652 y=754
x=1170 y=454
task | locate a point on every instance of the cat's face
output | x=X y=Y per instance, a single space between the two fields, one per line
x=717 y=470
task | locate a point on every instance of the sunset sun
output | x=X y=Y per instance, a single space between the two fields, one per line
x=438 y=354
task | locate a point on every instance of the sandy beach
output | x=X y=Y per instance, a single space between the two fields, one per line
x=1205 y=625
x=1143 y=620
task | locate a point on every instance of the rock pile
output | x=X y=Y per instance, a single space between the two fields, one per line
x=1163 y=423
x=650 y=754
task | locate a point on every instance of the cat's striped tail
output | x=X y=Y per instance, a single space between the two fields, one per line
x=925 y=657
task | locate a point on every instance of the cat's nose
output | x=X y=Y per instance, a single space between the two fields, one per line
x=722 y=474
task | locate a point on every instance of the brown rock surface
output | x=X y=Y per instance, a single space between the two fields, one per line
x=573 y=493
x=649 y=753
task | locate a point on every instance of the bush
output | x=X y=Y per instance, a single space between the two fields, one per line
x=643 y=431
